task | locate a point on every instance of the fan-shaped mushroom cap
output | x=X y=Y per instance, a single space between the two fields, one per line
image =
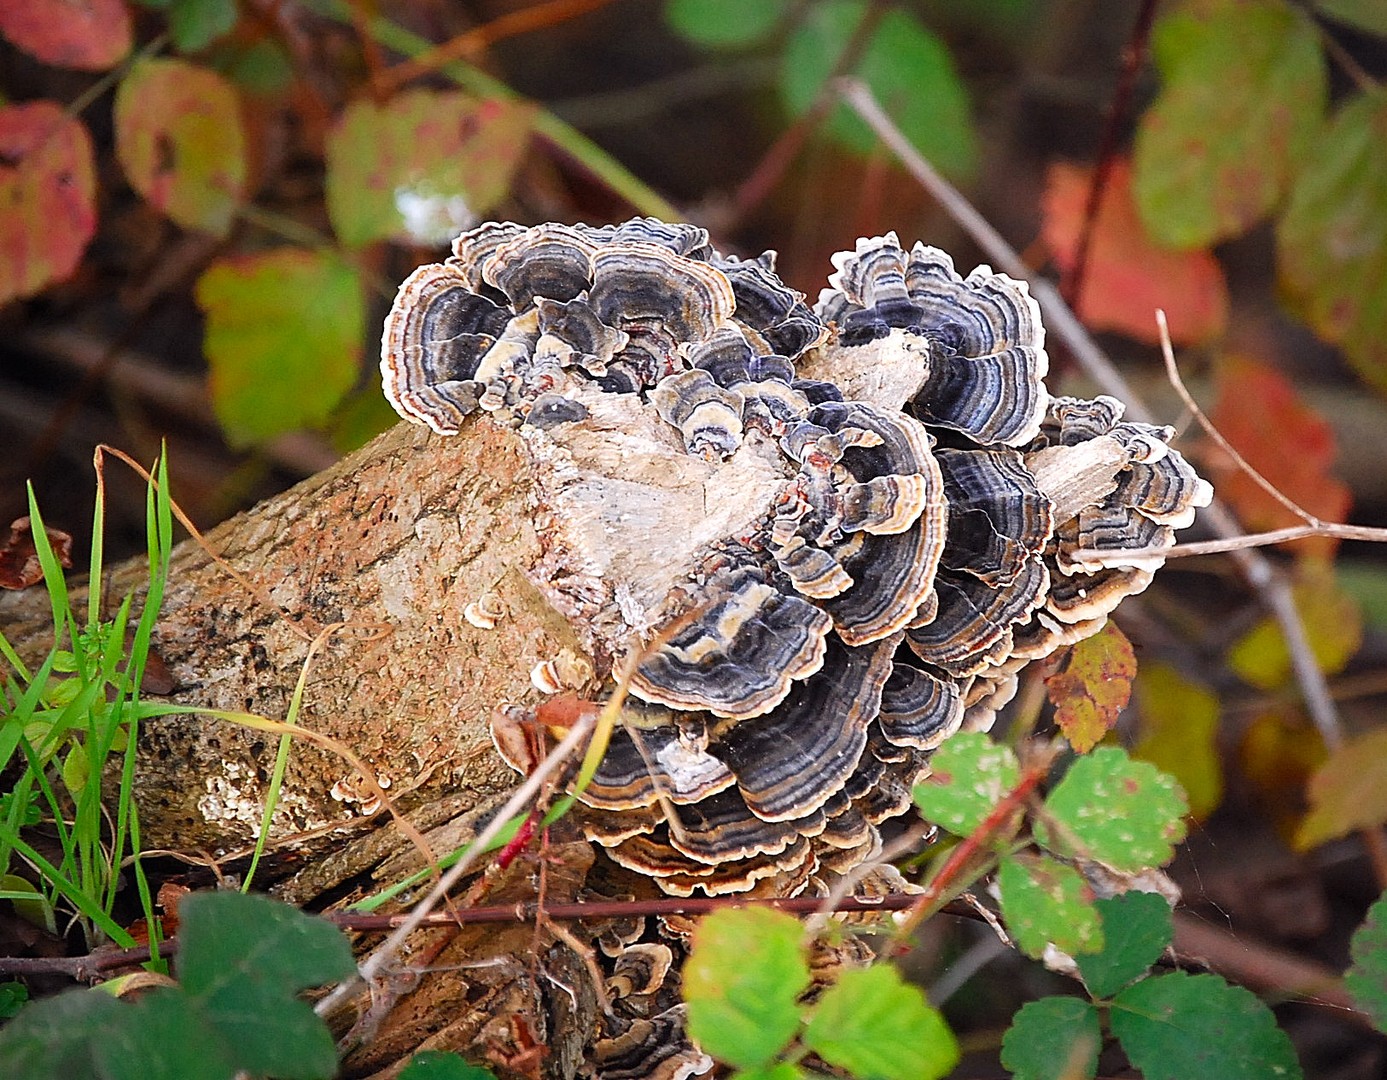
x=918 y=709
x=637 y=282
x=657 y=1048
x=574 y=323
x=552 y=261
x=791 y=760
x=998 y=519
x=640 y=969
x=643 y=763
x=973 y=619
x=739 y=655
x=435 y=337
x=707 y=416
x=986 y=361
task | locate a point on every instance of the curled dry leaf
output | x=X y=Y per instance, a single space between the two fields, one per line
x=19 y=562
x=48 y=190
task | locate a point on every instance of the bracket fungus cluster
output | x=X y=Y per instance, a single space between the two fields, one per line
x=841 y=531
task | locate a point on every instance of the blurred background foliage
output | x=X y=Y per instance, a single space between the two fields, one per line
x=207 y=205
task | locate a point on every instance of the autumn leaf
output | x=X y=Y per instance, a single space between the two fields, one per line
x=48 y=190
x=1178 y=734
x=1333 y=627
x=421 y=167
x=1278 y=753
x=1129 y=275
x=180 y=140
x=1260 y=414
x=90 y=35
x=1348 y=792
x=1242 y=96
x=1093 y=687
x=284 y=339
x=1332 y=239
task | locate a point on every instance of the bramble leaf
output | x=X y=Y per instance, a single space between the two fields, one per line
x=1348 y=792
x=1093 y=687
x=284 y=339
x=1137 y=926
x=1178 y=1025
x=421 y=167
x=871 y=1022
x=1046 y=902
x=743 y=976
x=780 y=1070
x=1260 y=414
x=180 y=141
x=969 y=776
x=243 y=959
x=1366 y=978
x=908 y=69
x=57 y=1036
x=442 y=1065
x=1178 y=734
x=165 y=1036
x=1243 y=93
x=1055 y=1038
x=722 y=24
x=48 y=190
x=1125 y=814
x=1333 y=627
x=1332 y=238
x=92 y=35
x=1128 y=274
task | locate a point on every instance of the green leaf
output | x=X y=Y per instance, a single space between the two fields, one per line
x=1178 y=1026
x=1055 y=1038
x=1137 y=926
x=164 y=1036
x=1332 y=239
x=1179 y=733
x=741 y=982
x=195 y=24
x=1244 y=88
x=179 y=140
x=723 y=24
x=13 y=997
x=969 y=776
x=781 y=1070
x=421 y=167
x=1366 y=978
x=440 y=1065
x=76 y=769
x=56 y=1037
x=1125 y=814
x=1369 y=15
x=907 y=68
x=1348 y=792
x=1045 y=902
x=1093 y=688
x=284 y=339
x=243 y=958
x=874 y=1024
x=48 y=190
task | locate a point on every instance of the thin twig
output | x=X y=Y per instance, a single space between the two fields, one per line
x=376 y=963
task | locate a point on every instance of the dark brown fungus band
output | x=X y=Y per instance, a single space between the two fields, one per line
x=917 y=519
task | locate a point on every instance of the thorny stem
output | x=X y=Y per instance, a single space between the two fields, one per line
x=1270 y=585
x=1133 y=59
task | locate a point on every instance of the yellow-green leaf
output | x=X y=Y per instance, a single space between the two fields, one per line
x=1333 y=625
x=1093 y=687
x=1348 y=792
x=421 y=167
x=1178 y=734
x=284 y=339
x=180 y=141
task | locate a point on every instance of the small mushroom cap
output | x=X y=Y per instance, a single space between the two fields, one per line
x=708 y=416
x=657 y=1048
x=789 y=762
x=550 y=260
x=918 y=709
x=577 y=325
x=998 y=519
x=738 y=656
x=974 y=620
x=473 y=248
x=642 y=281
x=640 y=969
x=641 y=765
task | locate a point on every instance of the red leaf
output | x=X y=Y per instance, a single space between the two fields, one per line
x=47 y=187
x=1093 y=688
x=1291 y=445
x=88 y=34
x=180 y=140
x=1128 y=276
x=19 y=561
